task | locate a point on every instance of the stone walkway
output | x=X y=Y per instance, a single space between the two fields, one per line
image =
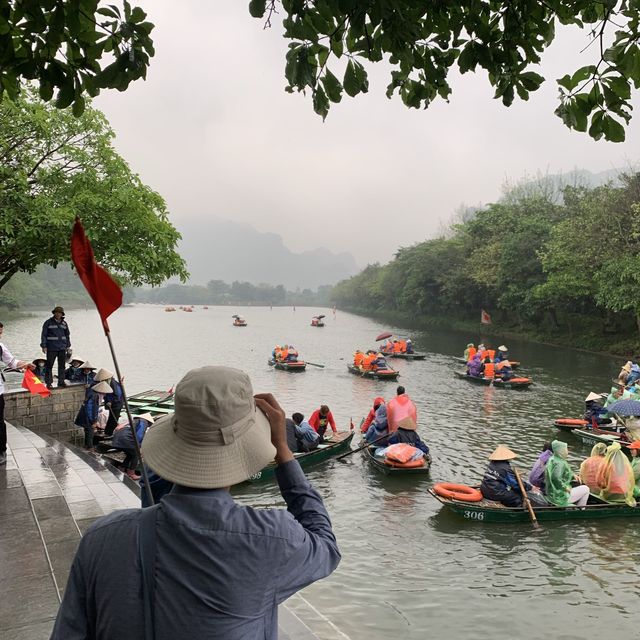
x=49 y=494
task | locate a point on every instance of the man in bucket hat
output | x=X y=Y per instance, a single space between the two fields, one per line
x=198 y=565
x=55 y=340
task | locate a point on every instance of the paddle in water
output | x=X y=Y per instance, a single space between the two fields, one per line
x=344 y=455
x=526 y=501
x=313 y=364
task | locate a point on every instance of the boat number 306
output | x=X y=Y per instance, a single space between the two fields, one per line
x=474 y=515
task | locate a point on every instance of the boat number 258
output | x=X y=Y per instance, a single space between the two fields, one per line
x=474 y=515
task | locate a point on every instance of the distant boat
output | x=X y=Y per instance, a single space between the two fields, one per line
x=239 y=321
x=169 y=308
x=316 y=321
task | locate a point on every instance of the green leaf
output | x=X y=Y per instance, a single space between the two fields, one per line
x=257 y=8
x=531 y=80
x=66 y=93
x=612 y=129
x=320 y=102
x=332 y=86
x=78 y=106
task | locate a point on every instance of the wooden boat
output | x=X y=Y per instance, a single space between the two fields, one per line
x=338 y=443
x=570 y=424
x=388 y=470
x=490 y=511
x=299 y=365
x=381 y=374
x=239 y=322
x=316 y=321
x=407 y=356
x=593 y=436
x=514 y=383
x=514 y=363
x=169 y=309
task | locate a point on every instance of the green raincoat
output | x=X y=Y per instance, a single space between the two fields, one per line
x=635 y=466
x=557 y=481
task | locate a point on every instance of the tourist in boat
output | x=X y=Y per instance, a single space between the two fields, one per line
x=401 y=411
x=591 y=466
x=358 y=359
x=379 y=427
x=40 y=365
x=634 y=374
x=123 y=441
x=504 y=370
x=321 y=419
x=379 y=363
x=474 y=368
x=388 y=347
x=558 y=477
x=623 y=376
x=372 y=414
x=615 y=478
x=74 y=371
x=292 y=436
x=469 y=352
x=275 y=354
x=308 y=438
x=368 y=359
x=634 y=448
x=407 y=434
x=408 y=348
x=481 y=351
x=499 y=482
x=594 y=413
x=536 y=475
x=488 y=368
x=292 y=354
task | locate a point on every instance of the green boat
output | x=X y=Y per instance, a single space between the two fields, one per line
x=299 y=365
x=388 y=470
x=490 y=511
x=382 y=374
x=339 y=442
x=593 y=436
x=407 y=356
x=514 y=383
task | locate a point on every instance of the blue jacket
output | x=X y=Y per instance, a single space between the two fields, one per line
x=74 y=374
x=55 y=335
x=500 y=484
x=91 y=405
x=116 y=396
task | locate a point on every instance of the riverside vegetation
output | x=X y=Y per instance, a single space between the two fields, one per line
x=562 y=267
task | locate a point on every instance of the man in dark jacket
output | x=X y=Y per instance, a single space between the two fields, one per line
x=55 y=340
x=199 y=564
x=500 y=482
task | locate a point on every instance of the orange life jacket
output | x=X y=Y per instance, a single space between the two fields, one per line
x=400 y=412
x=489 y=370
x=472 y=352
x=403 y=346
x=491 y=353
x=397 y=348
x=366 y=362
x=501 y=365
x=358 y=359
x=284 y=353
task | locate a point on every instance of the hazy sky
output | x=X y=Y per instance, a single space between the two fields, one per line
x=214 y=132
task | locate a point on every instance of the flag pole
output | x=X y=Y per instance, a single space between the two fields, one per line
x=145 y=476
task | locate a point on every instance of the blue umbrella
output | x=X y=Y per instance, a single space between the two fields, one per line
x=625 y=408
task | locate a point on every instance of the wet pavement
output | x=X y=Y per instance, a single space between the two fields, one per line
x=49 y=494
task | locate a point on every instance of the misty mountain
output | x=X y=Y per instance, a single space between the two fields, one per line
x=217 y=249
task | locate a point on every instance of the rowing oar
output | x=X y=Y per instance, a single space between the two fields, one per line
x=313 y=364
x=344 y=455
x=525 y=499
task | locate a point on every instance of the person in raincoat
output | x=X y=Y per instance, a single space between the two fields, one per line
x=615 y=477
x=558 y=477
x=379 y=427
x=634 y=447
x=474 y=368
x=372 y=414
x=623 y=376
x=536 y=475
x=594 y=412
x=500 y=483
x=469 y=352
x=590 y=468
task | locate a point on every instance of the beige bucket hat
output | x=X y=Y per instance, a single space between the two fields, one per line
x=102 y=387
x=502 y=453
x=593 y=396
x=216 y=437
x=103 y=374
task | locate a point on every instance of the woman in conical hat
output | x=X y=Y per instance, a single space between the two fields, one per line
x=499 y=482
x=594 y=412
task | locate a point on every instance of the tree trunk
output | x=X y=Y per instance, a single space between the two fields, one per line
x=638 y=320
x=7 y=276
x=554 y=317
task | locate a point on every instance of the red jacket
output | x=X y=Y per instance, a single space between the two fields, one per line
x=314 y=420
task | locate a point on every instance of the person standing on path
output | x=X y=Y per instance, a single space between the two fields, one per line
x=7 y=358
x=55 y=340
x=198 y=564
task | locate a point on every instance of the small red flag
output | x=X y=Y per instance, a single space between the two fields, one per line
x=351 y=425
x=485 y=318
x=100 y=285
x=34 y=385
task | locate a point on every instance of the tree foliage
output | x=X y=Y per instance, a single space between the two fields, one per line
x=424 y=41
x=55 y=166
x=528 y=259
x=72 y=48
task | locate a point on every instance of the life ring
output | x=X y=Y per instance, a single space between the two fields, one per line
x=518 y=380
x=412 y=464
x=460 y=492
x=570 y=421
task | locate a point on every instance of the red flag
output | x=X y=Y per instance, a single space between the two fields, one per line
x=485 y=318
x=101 y=287
x=351 y=425
x=34 y=385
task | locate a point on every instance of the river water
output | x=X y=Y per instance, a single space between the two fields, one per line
x=408 y=571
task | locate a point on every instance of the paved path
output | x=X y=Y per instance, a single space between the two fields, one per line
x=49 y=494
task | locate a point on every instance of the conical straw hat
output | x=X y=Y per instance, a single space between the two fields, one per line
x=592 y=396
x=102 y=387
x=502 y=452
x=87 y=365
x=145 y=416
x=103 y=374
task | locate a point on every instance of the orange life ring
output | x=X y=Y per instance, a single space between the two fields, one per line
x=518 y=380
x=412 y=464
x=461 y=492
x=577 y=421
